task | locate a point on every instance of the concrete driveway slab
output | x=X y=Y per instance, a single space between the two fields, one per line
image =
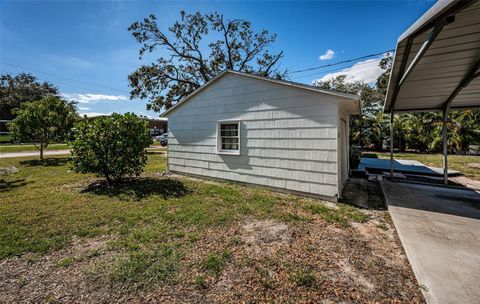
x=33 y=153
x=440 y=231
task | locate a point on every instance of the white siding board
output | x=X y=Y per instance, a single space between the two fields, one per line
x=323 y=189
x=293 y=153
x=320 y=133
x=288 y=135
x=297 y=186
x=295 y=112
x=279 y=143
x=318 y=177
x=303 y=165
x=231 y=175
x=286 y=123
x=315 y=188
x=283 y=103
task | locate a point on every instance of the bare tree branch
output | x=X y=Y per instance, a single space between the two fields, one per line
x=189 y=63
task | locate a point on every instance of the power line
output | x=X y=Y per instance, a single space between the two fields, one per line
x=60 y=76
x=59 y=82
x=329 y=71
x=293 y=72
x=341 y=62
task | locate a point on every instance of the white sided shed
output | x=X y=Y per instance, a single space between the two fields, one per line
x=256 y=130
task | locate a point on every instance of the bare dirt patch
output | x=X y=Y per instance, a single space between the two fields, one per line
x=265 y=237
x=306 y=251
x=273 y=261
x=60 y=276
x=253 y=260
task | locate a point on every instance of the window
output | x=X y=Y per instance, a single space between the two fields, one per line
x=229 y=137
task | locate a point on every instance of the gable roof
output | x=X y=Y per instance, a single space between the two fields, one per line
x=282 y=82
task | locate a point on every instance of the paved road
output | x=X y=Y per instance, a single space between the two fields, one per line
x=440 y=231
x=33 y=153
x=49 y=153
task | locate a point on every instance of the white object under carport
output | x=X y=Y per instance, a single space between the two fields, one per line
x=436 y=65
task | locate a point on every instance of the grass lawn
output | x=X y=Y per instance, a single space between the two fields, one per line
x=5 y=138
x=455 y=162
x=165 y=238
x=8 y=148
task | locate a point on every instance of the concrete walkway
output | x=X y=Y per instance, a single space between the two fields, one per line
x=440 y=232
x=53 y=152
x=33 y=153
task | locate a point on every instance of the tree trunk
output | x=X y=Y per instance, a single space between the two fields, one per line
x=41 y=150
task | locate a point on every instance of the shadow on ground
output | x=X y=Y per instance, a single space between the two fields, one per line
x=138 y=188
x=9 y=185
x=155 y=152
x=56 y=161
x=363 y=193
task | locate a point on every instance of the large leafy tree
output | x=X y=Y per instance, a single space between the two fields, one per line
x=14 y=90
x=42 y=122
x=195 y=49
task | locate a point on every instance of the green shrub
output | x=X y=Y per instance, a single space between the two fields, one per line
x=111 y=146
x=355 y=155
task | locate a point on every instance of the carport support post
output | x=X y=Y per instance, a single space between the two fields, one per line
x=391 y=144
x=445 y=146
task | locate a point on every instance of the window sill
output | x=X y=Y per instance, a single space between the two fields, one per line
x=229 y=152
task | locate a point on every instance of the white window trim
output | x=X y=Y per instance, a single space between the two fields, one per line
x=219 y=138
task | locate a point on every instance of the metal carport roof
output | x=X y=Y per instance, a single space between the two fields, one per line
x=437 y=60
x=436 y=65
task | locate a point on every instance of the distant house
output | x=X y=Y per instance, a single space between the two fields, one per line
x=5 y=117
x=240 y=127
x=157 y=126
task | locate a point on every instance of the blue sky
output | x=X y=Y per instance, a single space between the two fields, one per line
x=84 y=47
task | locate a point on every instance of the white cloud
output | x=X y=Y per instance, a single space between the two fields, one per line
x=366 y=71
x=79 y=62
x=86 y=98
x=93 y=114
x=83 y=108
x=328 y=55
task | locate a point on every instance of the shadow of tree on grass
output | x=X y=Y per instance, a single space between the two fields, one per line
x=47 y=162
x=9 y=185
x=138 y=188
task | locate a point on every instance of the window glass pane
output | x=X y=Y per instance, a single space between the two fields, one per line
x=229 y=136
x=229 y=126
x=229 y=133
x=230 y=147
x=229 y=140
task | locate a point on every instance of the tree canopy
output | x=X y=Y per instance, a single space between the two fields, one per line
x=196 y=48
x=23 y=87
x=41 y=122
